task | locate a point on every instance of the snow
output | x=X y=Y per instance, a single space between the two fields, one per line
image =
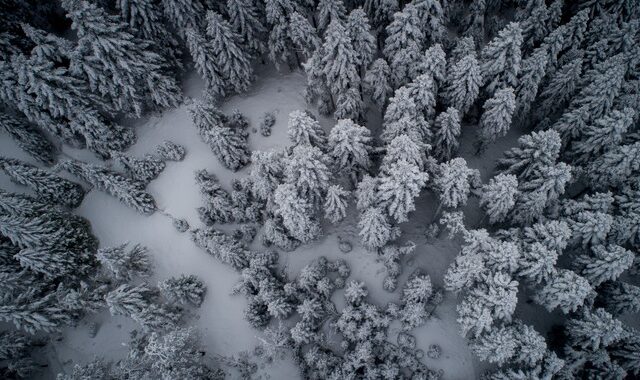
x=220 y=318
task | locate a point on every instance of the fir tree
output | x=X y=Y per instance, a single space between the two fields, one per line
x=48 y=186
x=307 y=169
x=349 y=148
x=127 y=191
x=606 y=263
x=377 y=82
x=123 y=263
x=366 y=192
x=363 y=41
x=184 y=15
x=302 y=128
x=296 y=213
x=423 y=91
x=203 y=54
x=170 y=151
x=232 y=63
x=565 y=290
x=399 y=188
x=138 y=303
x=535 y=151
x=330 y=11
x=560 y=87
x=464 y=80
x=501 y=58
x=537 y=264
x=432 y=15
x=143 y=170
x=246 y=21
x=403 y=148
x=303 y=34
x=375 y=230
x=349 y=105
x=228 y=144
x=266 y=172
x=402 y=116
x=335 y=204
x=499 y=196
x=339 y=59
x=533 y=70
x=496 y=118
x=403 y=45
x=183 y=290
x=29 y=139
x=221 y=246
x=454 y=181
x=593 y=330
x=603 y=135
x=619 y=297
x=446 y=133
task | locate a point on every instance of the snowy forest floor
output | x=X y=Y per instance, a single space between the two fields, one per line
x=220 y=318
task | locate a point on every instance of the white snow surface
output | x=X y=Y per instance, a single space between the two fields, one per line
x=220 y=318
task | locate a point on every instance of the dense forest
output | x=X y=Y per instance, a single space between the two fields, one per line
x=406 y=104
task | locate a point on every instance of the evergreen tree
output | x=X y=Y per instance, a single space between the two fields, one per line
x=496 y=118
x=565 y=290
x=432 y=15
x=399 y=188
x=454 y=181
x=434 y=63
x=380 y=11
x=464 y=79
x=423 y=90
x=141 y=169
x=266 y=172
x=221 y=246
x=402 y=116
x=49 y=187
x=232 y=63
x=335 y=204
x=498 y=345
x=375 y=230
x=281 y=47
x=170 y=151
x=533 y=70
x=537 y=264
x=446 y=133
x=138 y=303
x=363 y=41
x=275 y=233
x=535 y=152
x=501 y=58
x=560 y=87
x=29 y=139
x=590 y=228
x=228 y=144
x=403 y=45
x=302 y=128
x=603 y=135
x=625 y=352
x=349 y=105
x=183 y=290
x=499 y=196
x=123 y=263
x=184 y=15
x=296 y=213
x=339 y=60
x=127 y=191
x=349 y=148
x=377 y=82
x=307 y=169
x=403 y=148
x=366 y=192
x=32 y=313
x=330 y=11
x=593 y=330
x=218 y=206
x=203 y=54
x=115 y=63
x=246 y=21
x=303 y=34
x=619 y=297
x=605 y=263
x=475 y=21
x=615 y=167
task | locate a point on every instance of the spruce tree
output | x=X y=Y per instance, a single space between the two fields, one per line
x=537 y=264
x=304 y=129
x=535 y=151
x=615 y=167
x=127 y=191
x=501 y=58
x=218 y=206
x=266 y=172
x=330 y=11
x=141 y=169
x=364 y=43
x=625 y=352
x=496 y=118
x=454 y=181
x=403 y=45
x=377 y=82
x=434 y=63
x=533 y=70
x=366 y=192
x=432 y=15
x=335 y=204
x=404 y=148
x=498 y=197
x=184 y=15
x=446 y=133
x=232 y=63
x=565 y=290
x=307 y=169
x=339 y=59
x=594 y=329
x=296 y=213
x=221 y=246
x=464 y=80
x=48 y=186
x=603 y=135
x=375 y=230
x=403 y=116
x=203 y=54
x=125 y=263
x=380 y=11
x=560 y=87
x=246 y=21
x=183 y=290
x=349 y=148
x=140 y=303
x=619 y=297
x=170 y=151
x=303 y=34
x=398 y=189
x=28 y=138
x=228 y=144
x=349 y=105
x=605 y=263
x=423 y=90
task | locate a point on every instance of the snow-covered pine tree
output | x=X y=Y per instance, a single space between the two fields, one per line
x=221 y=246
x=247 y=22
x=498 y=197
x=446 y=133
x=218 y=206
x=434 y=63
x=170 y=151
x=619 y=297
x=364 y=43
x=565 y=290
x=203 y=54
x=423 y=90
x=349 y=105
x=501 y=58
x=184 y=15
x=339 y=60
x=398 y=189
x=230 y=60
x=537 y=264
x=140 y=303
x=307 y=169
x=335 y=204
x=141 y=169
x=404 y=148
x=33 y=313
x=186 y=289
x=559 y=88
x=125 y=263
x=267 y=171
x=464 y=80
x=380 y=12
x=475 y=21
x=616 y=167
x=375 y=230
x=281 y=47
x=604 y=134
x=377 y=82
x=304 y=129
x=303 y=34
x=530 y=77
x=496 y=117
x=605 y=263
x=403 y=45
x=349 y=148
x=127 y=191
x=275 y=233
x=330 y=11
x=594 y=329
x=454 y=181
x=296 y=213
x=366 y=192
x=432 y=15
x=116 y=64
x=535 y=151
x=402 y=116
x=28 y=138
x=228 y=144
x=48 y=186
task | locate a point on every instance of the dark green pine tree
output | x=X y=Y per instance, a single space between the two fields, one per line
x=50 y=187
x=128 y=191
x=28 y=138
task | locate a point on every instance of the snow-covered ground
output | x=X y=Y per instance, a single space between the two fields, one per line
x=220 y=319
